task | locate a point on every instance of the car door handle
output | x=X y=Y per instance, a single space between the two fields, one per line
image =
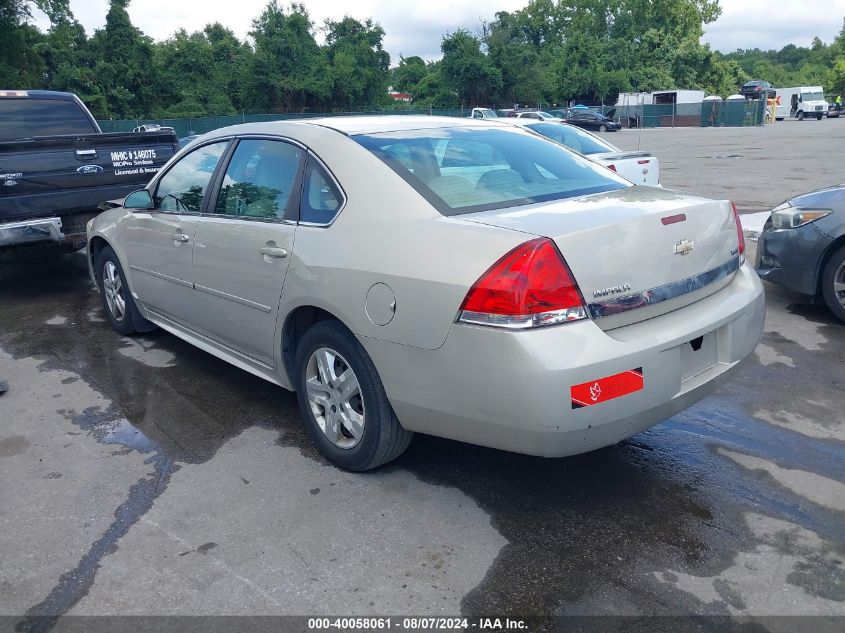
x=86 y=153
x=180 y=237
x=273 y=251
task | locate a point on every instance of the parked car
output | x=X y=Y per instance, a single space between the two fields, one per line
x=802 y=246
x=834 y=109
x=538 y=115
x=151 y=127
x=187 y=140
x=590 y=120
x=466 y=279
x=483 y=113
x=757 y=89
x=56 y=166
x=641 y=168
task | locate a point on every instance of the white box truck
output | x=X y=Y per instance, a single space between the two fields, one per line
x=805 y=101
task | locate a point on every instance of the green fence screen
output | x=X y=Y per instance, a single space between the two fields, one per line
x=705 y=114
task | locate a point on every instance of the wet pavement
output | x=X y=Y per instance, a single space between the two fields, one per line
x=144 y=476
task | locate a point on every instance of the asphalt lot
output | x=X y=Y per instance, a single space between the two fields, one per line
x=143 y=476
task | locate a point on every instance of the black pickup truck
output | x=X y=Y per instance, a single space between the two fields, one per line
x=56 y=166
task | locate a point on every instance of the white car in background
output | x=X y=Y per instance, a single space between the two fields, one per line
x=538 y=115
x=641 y=168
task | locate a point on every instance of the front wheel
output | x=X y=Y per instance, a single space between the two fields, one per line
x=819 y=117
x=800 y=116
x=602 y=128
x=833 y=284
x=343 y=402
x=117 y=299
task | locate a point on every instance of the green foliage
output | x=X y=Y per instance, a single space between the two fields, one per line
x=358 y=63
x=549 y=52
x=818 y=64
x=468 y=72
x=288 y=70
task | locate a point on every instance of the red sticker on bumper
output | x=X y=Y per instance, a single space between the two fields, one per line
x=607 y=388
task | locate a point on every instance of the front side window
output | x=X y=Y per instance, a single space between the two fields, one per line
x=259 y=180
x=463 y=170
x=183 y=187
x=321 y=199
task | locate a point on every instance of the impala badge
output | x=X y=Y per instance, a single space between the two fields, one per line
x=613 y=290
x=684 y=247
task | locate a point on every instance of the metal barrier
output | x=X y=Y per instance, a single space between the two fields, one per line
x=714 y=113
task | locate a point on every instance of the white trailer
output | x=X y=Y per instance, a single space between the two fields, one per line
x=801 y=102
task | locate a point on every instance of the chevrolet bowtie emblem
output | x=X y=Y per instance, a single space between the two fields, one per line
x=684 y=247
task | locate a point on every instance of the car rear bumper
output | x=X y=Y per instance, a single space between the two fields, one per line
x=30 y=231
x=511 y=390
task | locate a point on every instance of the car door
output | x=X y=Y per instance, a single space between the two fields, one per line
x=159 y=243
x=243 y=245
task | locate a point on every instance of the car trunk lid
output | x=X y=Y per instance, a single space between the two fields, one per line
x=641 y=168
x=637 y=252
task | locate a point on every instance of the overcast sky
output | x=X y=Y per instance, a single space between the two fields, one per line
x=416 y=28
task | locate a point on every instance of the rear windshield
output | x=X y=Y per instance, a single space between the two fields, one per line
x=28 y=117
x=464 y=170
x=573 y=137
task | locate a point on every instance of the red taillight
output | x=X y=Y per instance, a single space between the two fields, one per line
x=528 y=287
x=612 y=167
x=740 y=235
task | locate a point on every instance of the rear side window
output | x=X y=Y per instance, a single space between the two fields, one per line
x=321 y=199
x=259 y=180
x=183 y=187
x=28 y=117
x=464 y=170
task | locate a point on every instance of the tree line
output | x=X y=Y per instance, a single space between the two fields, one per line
x=549 y=52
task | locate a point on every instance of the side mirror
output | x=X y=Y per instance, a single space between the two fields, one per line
x=140 y=199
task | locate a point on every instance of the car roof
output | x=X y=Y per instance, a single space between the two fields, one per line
x=353 y=125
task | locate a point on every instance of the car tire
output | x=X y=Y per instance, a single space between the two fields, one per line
x=354 y=432
x=832 y=276
x=117 y=300
x=819 y=117
x=800 y=116
x=602 y=128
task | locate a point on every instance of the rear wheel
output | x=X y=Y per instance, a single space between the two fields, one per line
x=833 y=284
x=602 y=128
x=343 y=402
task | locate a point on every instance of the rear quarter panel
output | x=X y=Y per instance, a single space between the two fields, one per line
x=387 y=233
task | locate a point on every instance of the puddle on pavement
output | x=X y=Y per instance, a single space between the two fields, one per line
x=606 y=523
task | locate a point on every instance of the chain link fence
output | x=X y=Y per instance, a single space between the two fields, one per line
x=201 y=125
x=705 y=114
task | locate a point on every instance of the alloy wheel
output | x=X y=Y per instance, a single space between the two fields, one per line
x=114 y=291
x=334 y=395
x=839 y=284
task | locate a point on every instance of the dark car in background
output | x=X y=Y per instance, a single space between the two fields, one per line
x=590 y=120
x=834 y=110
x=757 y=89
x=802 y=246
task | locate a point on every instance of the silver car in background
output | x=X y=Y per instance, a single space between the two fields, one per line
x=641 y=168
x=466 y=279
